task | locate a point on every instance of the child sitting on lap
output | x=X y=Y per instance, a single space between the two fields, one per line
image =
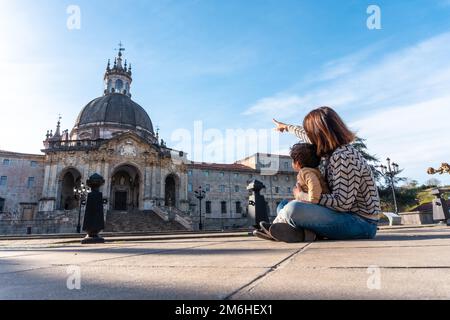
x=310 y=183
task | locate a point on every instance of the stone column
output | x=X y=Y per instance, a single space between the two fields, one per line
x=53 y=188
x=107 y=186
x=147 y=188
x=46 y=203
x=183 y=193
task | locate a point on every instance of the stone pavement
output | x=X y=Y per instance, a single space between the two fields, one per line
x=402 y=262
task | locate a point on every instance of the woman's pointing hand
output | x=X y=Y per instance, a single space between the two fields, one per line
x=280 y=126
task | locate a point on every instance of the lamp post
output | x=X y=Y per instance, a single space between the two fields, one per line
x=81 y=192
x=390 y=171
x=200 y=195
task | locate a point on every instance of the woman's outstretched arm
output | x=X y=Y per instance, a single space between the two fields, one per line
x=298 y=131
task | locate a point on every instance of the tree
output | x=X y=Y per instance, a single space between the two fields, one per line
x=433 y=182
x=411 y=184
x=360 y=145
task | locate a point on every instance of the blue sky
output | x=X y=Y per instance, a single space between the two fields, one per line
x=236 y=64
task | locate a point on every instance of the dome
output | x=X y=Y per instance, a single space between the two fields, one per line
x=115 y=109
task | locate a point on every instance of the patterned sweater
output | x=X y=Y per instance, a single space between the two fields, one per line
x=350 y=179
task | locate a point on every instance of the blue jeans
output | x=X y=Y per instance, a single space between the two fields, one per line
x=326 y=222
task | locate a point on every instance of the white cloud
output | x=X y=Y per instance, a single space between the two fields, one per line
x=415 y=136
x=399 y=101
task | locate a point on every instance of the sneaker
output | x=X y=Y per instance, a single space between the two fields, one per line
x=263 y=235
x=265 y=226
x=286 y=233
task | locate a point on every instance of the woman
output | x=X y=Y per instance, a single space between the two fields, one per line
x=351 y=210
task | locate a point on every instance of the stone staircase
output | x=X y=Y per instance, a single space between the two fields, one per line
x=139 y=221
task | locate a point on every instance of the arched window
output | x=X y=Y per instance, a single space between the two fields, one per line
x=119 y=85
x=108 y=89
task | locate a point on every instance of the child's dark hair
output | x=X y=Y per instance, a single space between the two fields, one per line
x=305 y=154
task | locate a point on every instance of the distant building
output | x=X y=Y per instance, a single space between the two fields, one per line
x=148 y=185
x=226 y=199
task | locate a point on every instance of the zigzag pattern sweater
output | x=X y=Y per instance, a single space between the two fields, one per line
x=350 y=179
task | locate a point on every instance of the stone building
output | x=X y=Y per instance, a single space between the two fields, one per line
x=226 y=198
x=149 y=186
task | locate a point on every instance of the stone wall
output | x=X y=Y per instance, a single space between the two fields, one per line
x=44 y=223
x=23 y=188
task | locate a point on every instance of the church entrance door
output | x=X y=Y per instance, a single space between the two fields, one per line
x=120 y=202
x=170 y=192
x=125 y=184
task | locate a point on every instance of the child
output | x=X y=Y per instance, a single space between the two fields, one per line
x=310 y=183
x=309 y=179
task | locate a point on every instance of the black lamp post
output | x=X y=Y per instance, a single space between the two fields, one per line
x=82 y=193
x=200 y=195
x=390 y=171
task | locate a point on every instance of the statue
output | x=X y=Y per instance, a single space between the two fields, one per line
x=94 y=220
x=444 y=168
x=440 y=207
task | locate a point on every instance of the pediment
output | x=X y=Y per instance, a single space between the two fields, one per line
x=130 y=145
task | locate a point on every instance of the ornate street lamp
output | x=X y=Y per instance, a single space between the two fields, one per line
x=200 y=195
x=82 y=193
x=390 y=171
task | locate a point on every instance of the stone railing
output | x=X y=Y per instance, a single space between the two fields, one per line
x=161 y=213
x=73 y=145
x=175 y=214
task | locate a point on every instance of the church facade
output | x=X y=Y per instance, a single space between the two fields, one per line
x=114 y=137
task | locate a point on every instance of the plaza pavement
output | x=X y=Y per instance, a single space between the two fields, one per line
x=401 y=263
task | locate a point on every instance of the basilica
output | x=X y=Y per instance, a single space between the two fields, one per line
x=149 y=186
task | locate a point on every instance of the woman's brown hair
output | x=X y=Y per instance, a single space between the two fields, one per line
x=327 y=131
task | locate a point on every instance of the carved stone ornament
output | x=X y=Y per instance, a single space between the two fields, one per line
x=128 y=150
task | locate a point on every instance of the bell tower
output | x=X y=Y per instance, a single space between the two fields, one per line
x=118 y=78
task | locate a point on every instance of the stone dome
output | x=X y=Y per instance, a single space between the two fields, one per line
x=115 y=109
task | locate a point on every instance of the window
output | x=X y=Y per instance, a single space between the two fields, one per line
x=222 y=174
x=208 y=207
x=223 y=206
x=208 y=188
x=250 y=176
x=222 y=188
x=236 y=175
x=206 y=173
x=190 y=187
x=277 y=189
x=2 y=204
x=190 y=173
x=286 y=165
x=238 y=207
x=289 y=190
x=275 y=178
x=6 y=162
x=3 y=181
x=287 y=178
x=30 y=182
x=33 y=164
x=236 y=188
x=119 y=85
